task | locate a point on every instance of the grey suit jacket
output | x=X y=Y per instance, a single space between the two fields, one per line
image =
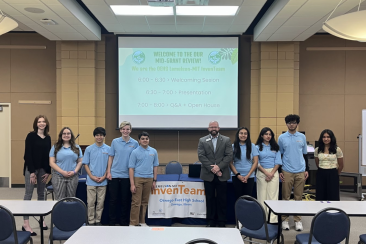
x=222 y=157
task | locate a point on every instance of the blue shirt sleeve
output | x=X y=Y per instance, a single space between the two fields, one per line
x=280 y=144
x=305 y=148
x=132 y=161
x=255 y=151
x=278 y=160
x=111 y=150
x=52 y=151
x=156 y=159
x=86 y=159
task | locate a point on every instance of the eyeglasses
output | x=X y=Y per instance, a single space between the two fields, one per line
x=66 y=134
x=213 y=127
x=292 y=123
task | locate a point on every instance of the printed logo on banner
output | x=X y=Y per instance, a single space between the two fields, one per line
x=177 y=199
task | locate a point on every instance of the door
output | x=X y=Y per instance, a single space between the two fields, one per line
x=5 y=145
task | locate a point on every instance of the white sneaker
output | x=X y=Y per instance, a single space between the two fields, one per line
x=285 y=225
x=143 y=225
x=298 y=226
x=133 y=225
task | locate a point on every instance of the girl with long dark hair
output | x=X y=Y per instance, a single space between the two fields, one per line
x=267 y=175
x=244 y=163
x=36 y=168
x=65 y=160
x=329 y=160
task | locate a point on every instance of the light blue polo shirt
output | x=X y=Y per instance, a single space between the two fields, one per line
x=244 y=165
x=267 y=158
x=66 y=159
x=293 y=146
x=97 y=160
x=143 y=161
x=121 y=151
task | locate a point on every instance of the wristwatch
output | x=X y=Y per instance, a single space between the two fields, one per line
x=237 y=174
x=154 y=180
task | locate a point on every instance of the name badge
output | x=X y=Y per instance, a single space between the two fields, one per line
x=208 y=139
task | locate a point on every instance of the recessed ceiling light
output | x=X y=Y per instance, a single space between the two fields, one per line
x=141 y=10
x=34 y=10
x=207 y=10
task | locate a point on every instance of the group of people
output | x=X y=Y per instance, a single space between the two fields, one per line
x=129 y=168
x=269 y=162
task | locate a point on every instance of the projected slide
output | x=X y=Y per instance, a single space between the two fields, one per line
x=178 y=82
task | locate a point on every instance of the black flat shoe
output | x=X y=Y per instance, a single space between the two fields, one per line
x=45 y=227
x=32 y=233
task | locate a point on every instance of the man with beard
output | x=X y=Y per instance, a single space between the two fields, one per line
x=215 y=153
x=294 y=173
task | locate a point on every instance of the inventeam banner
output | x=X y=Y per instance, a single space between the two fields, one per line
x=179 y=199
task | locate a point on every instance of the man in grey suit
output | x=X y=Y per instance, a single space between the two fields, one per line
x=215 y=153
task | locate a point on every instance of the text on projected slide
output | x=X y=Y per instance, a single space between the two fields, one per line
x=179 y=81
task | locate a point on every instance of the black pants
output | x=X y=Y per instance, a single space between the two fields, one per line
x=216 y=201
x=327 y=185
x=119 y=188
x=241 y=188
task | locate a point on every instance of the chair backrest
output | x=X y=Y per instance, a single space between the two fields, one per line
x=201 y=240
x=7 y=224
x=173 y=167
x=69 y=214
x=251 y=214
x=82 y=170
x=330 y=225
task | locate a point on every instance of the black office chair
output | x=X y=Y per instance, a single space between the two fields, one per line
x=362 y=239
x=250 y=213
x=8 y=233
x=68 y=215
x=201 y=240
x=330 y=225
x=173 y=167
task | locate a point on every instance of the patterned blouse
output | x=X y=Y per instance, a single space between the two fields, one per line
x=328 y=161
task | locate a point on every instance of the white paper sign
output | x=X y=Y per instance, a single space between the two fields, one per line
x=179 y=199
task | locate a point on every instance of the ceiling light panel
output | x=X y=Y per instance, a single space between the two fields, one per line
x=144 y=10
x=207 y=10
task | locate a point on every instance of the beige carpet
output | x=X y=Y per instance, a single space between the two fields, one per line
x=358 y=224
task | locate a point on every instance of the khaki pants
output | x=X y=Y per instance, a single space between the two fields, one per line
x=297 y=181
x=95 y=193
x=140 y=199
x=267 y=191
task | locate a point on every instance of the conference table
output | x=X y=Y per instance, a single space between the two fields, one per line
x=311 y=208
x=152 y=235
x=30 y=208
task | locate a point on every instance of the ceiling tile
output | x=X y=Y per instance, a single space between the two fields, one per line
x=137 y=29
x=160 y=20
x=134 y=20
x=216 y=28
x=221 y=20
x=163 y=28
x=189 y=28
x=190 y=20
x=124 y=2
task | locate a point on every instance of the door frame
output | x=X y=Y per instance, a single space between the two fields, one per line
x=9 y=105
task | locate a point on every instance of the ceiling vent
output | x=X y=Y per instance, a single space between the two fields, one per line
x=161 y=3
x=48 y=22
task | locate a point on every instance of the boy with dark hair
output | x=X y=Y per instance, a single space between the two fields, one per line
x=294 y=173
x=95 y=163
x=143 y=167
